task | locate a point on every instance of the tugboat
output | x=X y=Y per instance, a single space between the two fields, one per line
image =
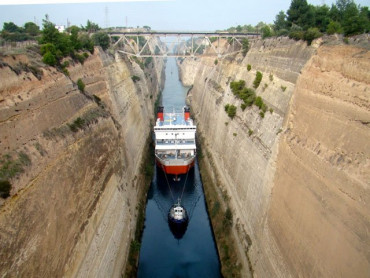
x=175 y=148
x=178 y=220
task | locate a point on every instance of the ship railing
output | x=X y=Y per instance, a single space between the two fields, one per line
x=176 y=161
x=173 y=142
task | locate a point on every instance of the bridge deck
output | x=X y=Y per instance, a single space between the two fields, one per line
x=184 y=34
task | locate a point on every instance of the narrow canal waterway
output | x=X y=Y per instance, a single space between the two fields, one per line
x=163 y=254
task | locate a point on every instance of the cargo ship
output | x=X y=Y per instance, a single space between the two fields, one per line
x=175 y=148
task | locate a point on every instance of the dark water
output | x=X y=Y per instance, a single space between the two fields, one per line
x=191 y=253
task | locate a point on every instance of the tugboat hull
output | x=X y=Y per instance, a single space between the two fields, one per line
x=178 y=220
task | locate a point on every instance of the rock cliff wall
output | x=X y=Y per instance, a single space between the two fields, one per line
x=298 y=174
x=73 y=204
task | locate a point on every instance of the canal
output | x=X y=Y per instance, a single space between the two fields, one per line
x=162 y=253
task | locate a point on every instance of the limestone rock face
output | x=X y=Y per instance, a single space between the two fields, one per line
x=297 y=178
x=72 y=211
x=319 y=212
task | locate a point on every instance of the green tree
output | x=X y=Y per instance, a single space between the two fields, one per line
x=48 y=47
x=75 y=42
x=266 y=31
x=321 y=17
x=11 y=27
x=352 y=23
x=101 y=39
x=365 y=19
x=334 y=13
x=92 y=27
x=49 y=59
x=280 y=22
x=32 y=29
x=86 y=42
x=301 y=14
x=50 y=34
x=334 y=27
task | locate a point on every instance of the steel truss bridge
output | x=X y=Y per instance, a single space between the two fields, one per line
x=171 y=49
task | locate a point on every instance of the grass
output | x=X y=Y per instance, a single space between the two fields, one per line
x=10 y=167
x=88 y=118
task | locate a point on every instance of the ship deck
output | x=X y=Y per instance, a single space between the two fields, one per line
x=173 y=120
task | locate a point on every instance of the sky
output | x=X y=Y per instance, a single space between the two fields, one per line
x=169 y=15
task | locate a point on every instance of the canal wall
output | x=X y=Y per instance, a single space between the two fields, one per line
x=77 y=158
x=297 y=179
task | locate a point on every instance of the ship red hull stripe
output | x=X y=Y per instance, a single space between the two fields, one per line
x=175 y=170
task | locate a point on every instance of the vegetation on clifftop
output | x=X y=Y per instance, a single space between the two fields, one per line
x=304 y=21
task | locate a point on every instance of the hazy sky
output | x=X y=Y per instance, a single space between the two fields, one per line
x=202 y=15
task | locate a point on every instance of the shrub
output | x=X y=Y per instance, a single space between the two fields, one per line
x=216 y=62
x=265 y=86
x=65 y=64
x=135 y=78
x=237 y=86
x=79 y=57
x=271 y=77
x=250 y=132
x=262 y=114
x=243 y=106
x=334 y=27
x=65 y=71
x=257 y=80
x=77 y=124
x=271 y=110
x=296 y=35
x=249 y=67
x=235 y=134
x=101 y=39
x=311 y=34
x=49 y=59
x=231 y=110
x=264 y=108
x=283 y=88
x=81 y=85
x=245 y=46
x=258 y=102
x=227 y=107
